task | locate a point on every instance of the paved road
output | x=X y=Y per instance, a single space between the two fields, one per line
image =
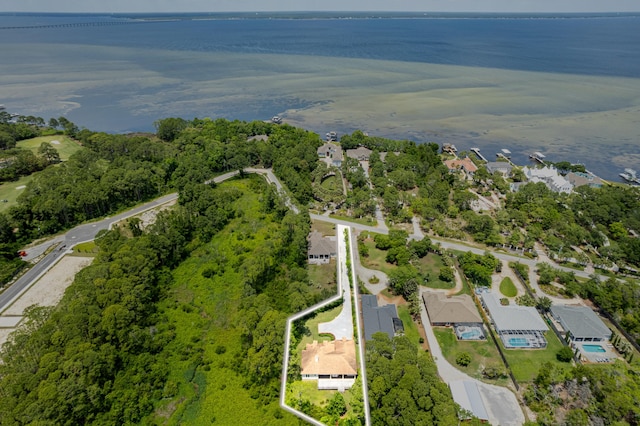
x=88 y=232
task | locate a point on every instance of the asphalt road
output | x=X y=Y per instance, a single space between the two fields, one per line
x=88 y=232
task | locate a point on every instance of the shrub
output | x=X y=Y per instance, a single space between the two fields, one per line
x=565 y=354
x=463 y=359
x=446 y=274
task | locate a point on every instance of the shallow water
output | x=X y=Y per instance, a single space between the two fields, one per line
x=123 y=78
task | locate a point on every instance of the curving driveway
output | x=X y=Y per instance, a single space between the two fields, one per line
x=501 y=403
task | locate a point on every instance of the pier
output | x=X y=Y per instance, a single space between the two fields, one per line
x=480 y=156
x=537 y=156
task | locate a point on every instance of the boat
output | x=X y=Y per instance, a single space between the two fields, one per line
x=332 y=136
x=276 y=119
x=630 y=175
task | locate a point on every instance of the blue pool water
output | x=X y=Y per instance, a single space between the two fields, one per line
x=518 y=342
x=593 y=348
x=471 y=334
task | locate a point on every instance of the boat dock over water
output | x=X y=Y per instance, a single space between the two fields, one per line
x=480 y=156
x=538 y=156
x=630 y=176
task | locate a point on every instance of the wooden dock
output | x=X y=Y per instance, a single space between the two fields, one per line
x=480 y=156
x=539 y=157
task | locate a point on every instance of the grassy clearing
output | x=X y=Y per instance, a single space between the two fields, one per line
x=309 y=388
x=11 y=190
x=89 y=248
x=332 y=183
x=410 y=327
x=325 y=228
x=525 y=363
x=376 y=259
x=507 y=288
x=430 y=266
x=66 y=146
x=369 y=221
x=208 y=317
x=323 y=277
x=483 y=353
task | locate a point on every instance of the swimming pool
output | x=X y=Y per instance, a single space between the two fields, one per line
x=471 y=334
x=593 y=348
x=518 y=342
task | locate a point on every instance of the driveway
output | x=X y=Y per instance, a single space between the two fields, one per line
x=342 y=325
x=501 y=403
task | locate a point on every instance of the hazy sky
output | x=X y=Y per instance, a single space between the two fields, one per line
x=324 y=5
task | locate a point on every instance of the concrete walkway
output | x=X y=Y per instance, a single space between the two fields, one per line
x=342 y=325
x=501 y=403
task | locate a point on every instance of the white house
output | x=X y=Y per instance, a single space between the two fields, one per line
x=550 y=177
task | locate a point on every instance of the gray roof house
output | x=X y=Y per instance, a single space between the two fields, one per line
x=380 y=318
x=332 y=151
x=321 y=249
x=445 y=310
x=580 y=323
x=361 y=153
x=513 y=318
x=499 y=166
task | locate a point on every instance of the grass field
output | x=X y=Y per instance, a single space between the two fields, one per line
x=324 y=228
x=65 y=146
x=525 y=363
x=10 y=191
x=483 y=353
x=507 y=288
x=208 y=317
x=323 y=277
x=430 y=265
x=376 y=259
x=364 y=221
x=410 y=328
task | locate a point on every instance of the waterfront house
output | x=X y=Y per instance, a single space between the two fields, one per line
x=466 y=165
x=499 y=166
x=361 y=153
x=550 y=177
x=580 y=179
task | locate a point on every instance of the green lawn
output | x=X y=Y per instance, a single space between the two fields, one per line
x=376 y=259
x=410 y=327
x=430 y=265
x=332 y=183
x=323 y=277
x=483 y=353
x=325 y=228
x=507 y=288
x=11 y=190
x=309 y=389
x=65 y=146
x=312 y=326
x=525 y=363
x=369 y=221
x=208 y=318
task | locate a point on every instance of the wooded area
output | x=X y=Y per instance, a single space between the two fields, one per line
x=186 y=317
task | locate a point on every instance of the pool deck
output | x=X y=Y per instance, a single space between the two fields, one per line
x=609 y=355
